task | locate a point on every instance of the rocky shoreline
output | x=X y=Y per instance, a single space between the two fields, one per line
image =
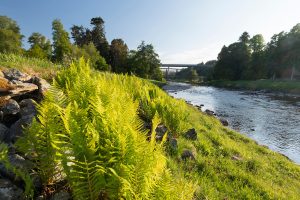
x=19 y=94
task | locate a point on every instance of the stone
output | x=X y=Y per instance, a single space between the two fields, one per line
x=16 y=130
x=8 y=191
x=160 y=131
x=61 y=195
x=23 y=88
x=1 y=74
x=209 y=112
x=3 y=132
x=10 y=108
x=187 y=154
x=252 y=129
x=224 y=122
x=191 y=134
x=237 y=158
x=42 y=84
x=14 y=74
x=173 y=144
x=27 y=107
x=5 y=86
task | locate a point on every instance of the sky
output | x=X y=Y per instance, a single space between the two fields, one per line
x=181 y=31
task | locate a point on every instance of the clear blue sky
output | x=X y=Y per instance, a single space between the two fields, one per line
x=182 y=31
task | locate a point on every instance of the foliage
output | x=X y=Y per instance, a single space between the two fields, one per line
x=118 y=55
x=10 y=36
x=61 y=43
x=40 y=47
x=34 y=66
x=144 y=62
x=91 y=134
x=278 y=59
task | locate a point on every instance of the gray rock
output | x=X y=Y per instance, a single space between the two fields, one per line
x=173 y=144
x=187 y=154
x=191 y=134
x=27 y=107
x=3 y=132
x=61 y=195
x=9 y=191
x=42 y=84
x=23 y=88
x=160 y=131
x=209 y=112
x=224 y=122
x=10 y=108
x=14 y=74
x=16 y=130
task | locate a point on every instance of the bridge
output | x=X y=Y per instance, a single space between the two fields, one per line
x=174 y=67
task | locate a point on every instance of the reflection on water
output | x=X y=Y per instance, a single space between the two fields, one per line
x=269 y=119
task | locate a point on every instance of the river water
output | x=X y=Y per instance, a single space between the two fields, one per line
x=269 y=118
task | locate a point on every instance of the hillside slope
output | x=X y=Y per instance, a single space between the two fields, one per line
x=106 y=136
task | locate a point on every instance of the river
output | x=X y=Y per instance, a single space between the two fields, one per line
x=271 y=119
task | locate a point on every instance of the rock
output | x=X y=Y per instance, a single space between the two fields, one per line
x=16 y=130
x=173 y=144
x=42 y=84
x=235 y=157
x=14 y=74
x=5 y=86
x=23 y=88
x=191 y=134
x=252 y=129
x=160 y=131
x=201 y=105
x=224 y=122
x=10 y=108
x=187 y=154
x=3 y=132
x=209 y=112
x=27 y=107
x=61 y=195
x=1 y=74
x=9 y=191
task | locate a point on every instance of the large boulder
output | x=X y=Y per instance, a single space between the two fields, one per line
x=224 y=122
x=22 y=88
x=8 y=191
x=191 y=134
x=5 y=86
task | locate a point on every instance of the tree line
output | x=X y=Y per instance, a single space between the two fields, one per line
x=250 y=58
x=88 y=42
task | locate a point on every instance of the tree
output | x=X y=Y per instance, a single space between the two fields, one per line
x=40 y=46
x=144 y=62
x=88 y=52
x=98 y=37
x=80 y=35
x=118 y=55
x=257 y=43
x=244 y=38
x=61 y=43
x=257 y=67
x=10 y=36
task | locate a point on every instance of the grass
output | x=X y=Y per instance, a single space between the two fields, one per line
x=258 y=173
x=34 y=66
x=277 y=85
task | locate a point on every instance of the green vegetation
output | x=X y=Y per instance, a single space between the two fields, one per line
x=34 y=66
x=251 y=59
x=90 y=43
x=282 y=86
x=91 y=130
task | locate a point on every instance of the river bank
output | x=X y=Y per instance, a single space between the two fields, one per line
x=271 y=119
x=291 y=87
